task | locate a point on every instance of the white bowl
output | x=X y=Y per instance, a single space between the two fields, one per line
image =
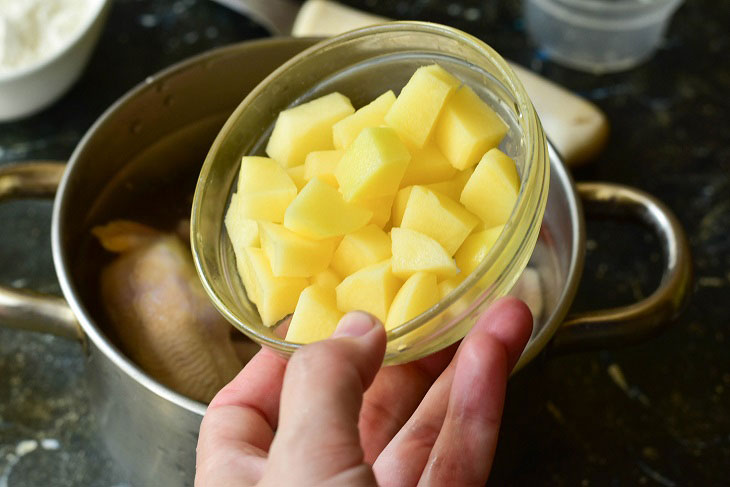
x=34 y=87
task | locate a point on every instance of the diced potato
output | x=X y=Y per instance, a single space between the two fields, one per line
x=361 y=248
x=370 y=289
x=428 y=165
x=491 y=192
x=417 y=294
x=243 y=232
x=475 y=248
x=381 y=208
x=453 y=187
x=371 y=115
x=448 y=285
x=322 y=164
x=319 y=212
x=373 y=165
x=415 y=252
x=439 y=217
x=316 y=315
x=467 y=128
x=296 y=174
x=247 y=275
x=276 y=297
x=292 y=255
x=327 y=277
x=399 y=205
x=264 y=189
x=416 y=110
x=306 y=128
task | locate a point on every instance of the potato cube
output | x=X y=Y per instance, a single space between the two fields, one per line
x=370 y=289
x=428 y=165
x=417 y=294
x=296 y=174
x=475 y=248
x=373 y=165
x=452 y=187
x=491 y=192
x=243 y=232
x=322 y=164
x=247 y=275
x=316 y=315
x=361 y=248
x=276 y=297
x=416 y=110
x=292 y=255
x=319 y=212
x=306 y=128
x=439 y=217
x=381 y=208
x=371 y=115
x=327 y=277
x=415 y=252
x=467 y=128
x=264 y=189
x=399 y=205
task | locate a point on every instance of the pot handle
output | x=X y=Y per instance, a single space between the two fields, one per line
x=25 y=309
x=632 y=323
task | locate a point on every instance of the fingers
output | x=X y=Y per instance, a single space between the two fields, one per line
x=318 y=439
x=508 y=322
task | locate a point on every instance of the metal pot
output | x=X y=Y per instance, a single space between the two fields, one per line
x=169 y=122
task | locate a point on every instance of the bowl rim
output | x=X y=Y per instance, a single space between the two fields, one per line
x=96 y=11
x=527 y=120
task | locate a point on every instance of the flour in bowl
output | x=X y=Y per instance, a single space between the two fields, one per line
x=33 y=30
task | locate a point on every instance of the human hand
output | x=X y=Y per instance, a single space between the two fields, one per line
x=332 y=416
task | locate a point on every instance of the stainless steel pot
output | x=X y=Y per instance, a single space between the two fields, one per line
x=166 y=124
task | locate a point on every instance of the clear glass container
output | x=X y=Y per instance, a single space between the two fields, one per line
x=362 y=64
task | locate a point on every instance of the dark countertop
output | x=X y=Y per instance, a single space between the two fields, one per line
x=651 y=414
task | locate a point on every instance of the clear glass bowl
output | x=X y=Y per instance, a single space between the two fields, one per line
x=362 y=64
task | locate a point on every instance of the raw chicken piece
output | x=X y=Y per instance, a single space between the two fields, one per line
x=161 y=314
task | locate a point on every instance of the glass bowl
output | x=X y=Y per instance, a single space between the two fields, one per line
x=362 y=64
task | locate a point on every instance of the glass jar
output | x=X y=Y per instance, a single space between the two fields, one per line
x=363 y=64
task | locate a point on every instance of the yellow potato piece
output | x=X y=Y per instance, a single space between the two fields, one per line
x=475 y=248
x=381 y=208
x=467 y=128
x=373 y=165
x=316 y=315
x=327 y=277
x=491 y=192
x=247 y=275
x=322 y=164
x=243 y=232
x=415 y=252
x=399 y=205
x=264 y=189
x=416 y=110
x=452 y=187
x=275 y=297
x=296 y=174
x=439 y=217
x=428 y=165
x=306 y=128
x=319 y=212
x=370 y=289
x=371 y=115
x=361 y=248
x=292 y=255
x=417 y=294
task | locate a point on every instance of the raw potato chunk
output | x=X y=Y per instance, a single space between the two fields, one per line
x=292 y=255
x=275 y=297
x=439 y=217
x=316 y=315
x=417 y=294
x=399 y=205
x=319 y=212
x=264 y=189
x=327 y=277
x=467 y=128
x=416 y=110
x=243 y=232
x=370 y=289
x=306 y=128
x=475 y=249
x=380 y=207
x=415 y=252
x=373 y=165
x=428 y=165
x=453 y=187
x=491 y=192
x=296 y=174
x=359 y=249
x=371 y=115
x=322 y=164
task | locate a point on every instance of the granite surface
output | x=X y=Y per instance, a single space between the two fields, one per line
x=657 y=413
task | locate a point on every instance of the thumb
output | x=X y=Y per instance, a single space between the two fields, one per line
x=318 y=439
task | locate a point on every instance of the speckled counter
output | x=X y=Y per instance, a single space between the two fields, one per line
x=652 y=414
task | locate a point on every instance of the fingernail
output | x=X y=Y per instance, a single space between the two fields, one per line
x=354 y=324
